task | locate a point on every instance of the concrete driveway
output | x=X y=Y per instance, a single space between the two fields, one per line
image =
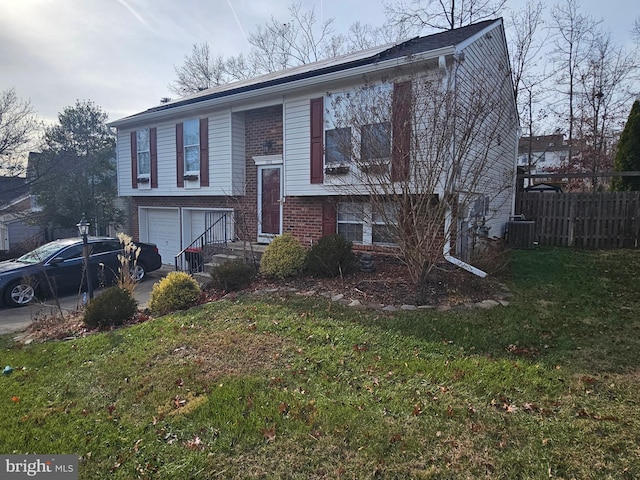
x=18 y=319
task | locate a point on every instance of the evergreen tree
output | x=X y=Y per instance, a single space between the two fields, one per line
x=628 y=154
x=76 y=170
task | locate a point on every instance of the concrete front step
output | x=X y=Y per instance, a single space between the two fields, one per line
x=218 y=259
x=233 y=251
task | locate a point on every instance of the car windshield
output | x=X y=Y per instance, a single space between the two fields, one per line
x=41 y=253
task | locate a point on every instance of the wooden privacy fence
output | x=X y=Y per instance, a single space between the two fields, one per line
x=590 y=220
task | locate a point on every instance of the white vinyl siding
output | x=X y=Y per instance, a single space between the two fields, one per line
x=220 y=159
x=297 y=148
x=487 y=59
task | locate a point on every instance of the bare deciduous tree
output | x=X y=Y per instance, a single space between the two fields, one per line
x=442 y=14
x=19 y=129
x=440 y=176
x=604 y=93
x=635 y=31
x=277 y=45
x=199 y=71
x=528 y=76
x=573 y=39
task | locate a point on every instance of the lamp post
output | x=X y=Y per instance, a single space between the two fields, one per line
x=83 y=228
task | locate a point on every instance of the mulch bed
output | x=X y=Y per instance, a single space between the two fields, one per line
x=390 y=284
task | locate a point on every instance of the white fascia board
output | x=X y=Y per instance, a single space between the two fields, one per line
x=473 y=38
x=278 y=90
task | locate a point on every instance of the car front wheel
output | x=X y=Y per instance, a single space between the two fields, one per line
x=19 y=294
x=137 y=272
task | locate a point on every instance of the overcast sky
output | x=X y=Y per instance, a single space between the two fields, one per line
x=121 y=53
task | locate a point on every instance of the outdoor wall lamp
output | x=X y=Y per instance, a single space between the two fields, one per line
x=267 y=146
x=83 y=228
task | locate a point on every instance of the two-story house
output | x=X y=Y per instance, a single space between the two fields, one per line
x=264 y=154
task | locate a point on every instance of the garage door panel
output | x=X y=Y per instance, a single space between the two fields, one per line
x=163 y=227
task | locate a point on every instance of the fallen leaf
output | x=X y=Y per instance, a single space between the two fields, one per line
x=269 y=433
x=15 y=399
x=195 y=444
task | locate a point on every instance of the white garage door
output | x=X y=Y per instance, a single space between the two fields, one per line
x=163 y=229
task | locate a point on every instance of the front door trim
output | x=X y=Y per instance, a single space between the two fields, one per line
x=264 y=237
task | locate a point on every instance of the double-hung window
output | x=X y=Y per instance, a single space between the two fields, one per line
x=338 y=146
x=376 y=142
x=351 y=221
x=358 y=126
x=191 y=135
x=143 y=155
x=337 y=135
x=384 y=219
x=367 y=223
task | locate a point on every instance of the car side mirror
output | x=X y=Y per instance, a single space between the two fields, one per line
x=55 y=261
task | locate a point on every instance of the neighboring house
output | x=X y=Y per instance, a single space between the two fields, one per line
x=542 y=153
x=262 y=153
x=16 y=206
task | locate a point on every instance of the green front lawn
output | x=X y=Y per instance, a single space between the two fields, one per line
x=293 y=387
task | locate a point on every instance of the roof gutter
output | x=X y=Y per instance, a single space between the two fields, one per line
x=281 y=88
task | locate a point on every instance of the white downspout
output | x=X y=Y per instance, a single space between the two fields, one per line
x=447 y=249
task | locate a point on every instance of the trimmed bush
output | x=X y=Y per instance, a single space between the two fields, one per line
x=176 y=291
x=331 y=256
x=112 y=307
x=233 y=275
x=283 y=257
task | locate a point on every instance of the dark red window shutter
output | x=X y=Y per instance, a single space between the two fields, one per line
x=134 y=160
x=329 y=218
x=317 y=134
x=153 y=154
x=204 y=152
x=179 y=155
x=401 y=131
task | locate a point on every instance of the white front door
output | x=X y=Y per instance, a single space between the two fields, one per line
x=269 y=202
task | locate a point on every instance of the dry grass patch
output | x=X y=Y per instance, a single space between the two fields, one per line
x=231 y=353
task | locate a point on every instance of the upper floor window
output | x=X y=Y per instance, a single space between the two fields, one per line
x=338 y=146
x=143 y=153
x=358 y=125
x=376 y=142
x=191 y=135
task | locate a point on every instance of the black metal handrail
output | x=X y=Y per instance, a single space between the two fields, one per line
x=193 y=256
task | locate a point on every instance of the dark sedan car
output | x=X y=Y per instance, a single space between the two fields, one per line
x=58 y=266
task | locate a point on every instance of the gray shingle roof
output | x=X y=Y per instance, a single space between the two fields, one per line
x=413 y=46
